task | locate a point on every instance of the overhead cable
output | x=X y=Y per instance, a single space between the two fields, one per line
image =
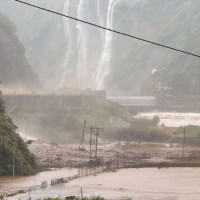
x=111 y=30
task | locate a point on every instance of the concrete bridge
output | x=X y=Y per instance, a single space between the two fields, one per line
x=138 y=103
x=38 y=100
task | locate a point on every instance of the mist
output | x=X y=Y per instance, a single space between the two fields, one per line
x=65 y=53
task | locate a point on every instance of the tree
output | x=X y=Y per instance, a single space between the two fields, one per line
x=11 y=142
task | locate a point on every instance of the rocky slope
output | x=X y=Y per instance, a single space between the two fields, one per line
x=15 y=70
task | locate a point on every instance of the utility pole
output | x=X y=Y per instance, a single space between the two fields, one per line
x=0 y=90
x=69 y=160
x=81 y=193
x=97 y=137
x=14 y=158
x=83 y=136
x=91 y=132
x=184 y=143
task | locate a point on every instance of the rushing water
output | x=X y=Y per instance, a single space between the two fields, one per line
x=8 y=184
x=139 y=184
x=173 y=119
x=89 y=66
x=89 y=50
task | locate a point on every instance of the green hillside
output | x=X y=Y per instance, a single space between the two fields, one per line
x=11 y=144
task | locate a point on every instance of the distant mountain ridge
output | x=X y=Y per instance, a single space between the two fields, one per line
x=15 y=70
x=66 y=53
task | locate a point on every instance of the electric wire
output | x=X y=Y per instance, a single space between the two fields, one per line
x=108 y=29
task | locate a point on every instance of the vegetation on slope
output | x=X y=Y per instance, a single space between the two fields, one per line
x=11 y=144
x=14 y=68
x=61 y=125
x=58 y=125
x=192 y=135
x=141 y=130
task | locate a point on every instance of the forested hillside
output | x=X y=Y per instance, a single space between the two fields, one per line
x=15 y=70
x=11 y=144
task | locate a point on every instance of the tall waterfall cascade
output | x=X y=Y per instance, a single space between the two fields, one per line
x=88 y=54
x=67 y=53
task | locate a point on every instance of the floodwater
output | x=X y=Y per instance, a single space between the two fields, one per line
x=138 y=184
x=8 y=184
x=172 y=119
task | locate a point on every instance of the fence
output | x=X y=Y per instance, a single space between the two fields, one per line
x=82 y=172
x=140 y=159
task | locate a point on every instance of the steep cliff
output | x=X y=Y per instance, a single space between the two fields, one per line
x=14 y=68
x=68 y=53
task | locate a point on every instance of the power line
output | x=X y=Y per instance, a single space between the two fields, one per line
x=108 y=29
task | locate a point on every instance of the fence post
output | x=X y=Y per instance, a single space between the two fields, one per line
x=78 y=171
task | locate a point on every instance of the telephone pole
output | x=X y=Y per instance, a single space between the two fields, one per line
x=14 y=159
x=0 y=90
x=97 y=137
x=91 y=133
x=184 y=143
x=83 y=136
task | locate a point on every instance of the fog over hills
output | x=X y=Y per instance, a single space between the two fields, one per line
x=15 y=70
x=66 y=53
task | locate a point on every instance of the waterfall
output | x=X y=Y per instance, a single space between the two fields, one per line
x=68 y=68
x=63 y=70
x=68 y=36
x=88 y=53
x=103 y=70
x=82 y=45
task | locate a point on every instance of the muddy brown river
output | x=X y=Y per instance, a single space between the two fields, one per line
x=9 y=184
x=138 y=184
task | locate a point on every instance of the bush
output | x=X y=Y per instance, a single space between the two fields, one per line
x=141 y=130
x=192 y=135
x=156 y=120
